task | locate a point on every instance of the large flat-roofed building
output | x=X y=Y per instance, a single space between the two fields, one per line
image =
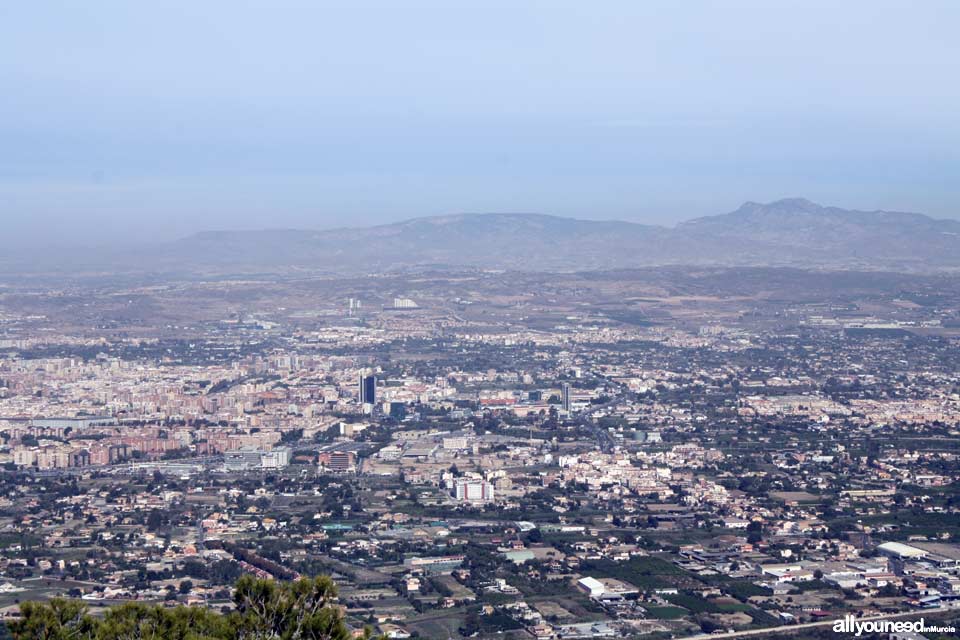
x=241 y=460
x=77 y=423
x=456 y=443
x=900 y=550
x=940 y=554
x=254 y=459
x=591 y=586
x=607 y=588
x=435 y=564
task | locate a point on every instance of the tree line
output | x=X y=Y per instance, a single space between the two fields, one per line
x=263 y=610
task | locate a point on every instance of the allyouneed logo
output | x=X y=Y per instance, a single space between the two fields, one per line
x=850 y=624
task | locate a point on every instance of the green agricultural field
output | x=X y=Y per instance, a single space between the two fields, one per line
x=666 y=613
x=436 y=625
x=647 y=572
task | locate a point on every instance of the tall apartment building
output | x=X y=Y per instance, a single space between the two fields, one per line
x=470 y=490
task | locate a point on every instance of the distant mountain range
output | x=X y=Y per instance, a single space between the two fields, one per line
x=789 y=232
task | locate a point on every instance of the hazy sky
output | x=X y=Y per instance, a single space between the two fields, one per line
x=144 y=120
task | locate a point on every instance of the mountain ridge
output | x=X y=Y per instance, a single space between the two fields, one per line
x=749 y=209
x=792 y=232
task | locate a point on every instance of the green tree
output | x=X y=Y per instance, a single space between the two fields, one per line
x=293 y=611
x=135 y=621
x=59 y=619
x=265 y=610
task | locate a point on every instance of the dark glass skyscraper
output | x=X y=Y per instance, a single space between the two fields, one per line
x=368 y=389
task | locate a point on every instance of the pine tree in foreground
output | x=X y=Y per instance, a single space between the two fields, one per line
x=264 y=610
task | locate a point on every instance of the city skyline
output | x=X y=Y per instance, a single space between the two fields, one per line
x=432 y=320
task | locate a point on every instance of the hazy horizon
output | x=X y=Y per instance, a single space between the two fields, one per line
x=122 y=124
x=109 y=243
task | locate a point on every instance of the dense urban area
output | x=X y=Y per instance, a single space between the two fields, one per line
x=661 y=452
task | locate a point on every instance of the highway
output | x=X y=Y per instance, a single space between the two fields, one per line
x=769 y=631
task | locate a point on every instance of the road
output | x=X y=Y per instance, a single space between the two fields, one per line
x=768 y=631
x=605 y=441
